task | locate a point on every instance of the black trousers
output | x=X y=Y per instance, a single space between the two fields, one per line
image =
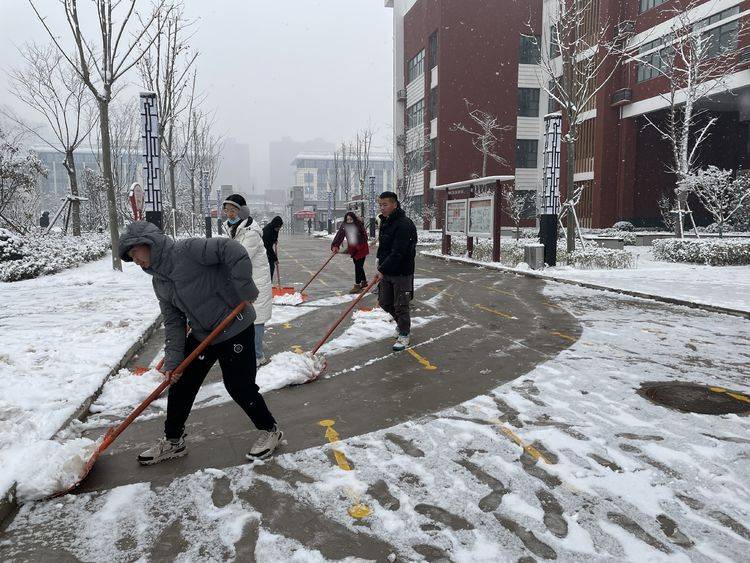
x=237 y=360
x=359 y=271
x=272 y=265
x=394 y=296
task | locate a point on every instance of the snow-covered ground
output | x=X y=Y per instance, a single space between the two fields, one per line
x=722 y=286
x=61 y=336
x=566 y=462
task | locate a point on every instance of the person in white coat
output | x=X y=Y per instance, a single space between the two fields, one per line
x=242 y=228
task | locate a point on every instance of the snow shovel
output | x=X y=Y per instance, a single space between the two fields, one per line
x=315 y=275
x=113 y=433
x=278 y=290
x=335 y=325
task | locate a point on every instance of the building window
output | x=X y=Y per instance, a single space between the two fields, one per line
x=528 y=102
x=723 y=38
x=416 y=66
x=648 y=4
x=526 y=153
x=554 y=48
x=529 y=53
x=655 y=63
x=309 y=178
x=433 y=103
x=432 y=48
x=433 y=153
x=415 y=115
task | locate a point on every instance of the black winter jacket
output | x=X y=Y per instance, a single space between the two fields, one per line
x=271 y=237
x=397 y=244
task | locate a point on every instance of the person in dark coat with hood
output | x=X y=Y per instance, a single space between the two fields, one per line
x=199 y=282
x=271 y=239
x=353 y=230
x=397 y=251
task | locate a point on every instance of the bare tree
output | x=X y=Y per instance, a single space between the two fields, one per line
x=486 y=133
x=361 y=146
x=695 y=64
x=721 y=195
x=516 y=204
x=166 y=70
x=54 y=91
x=102 y=68
x=586 y=59
x=18 y=176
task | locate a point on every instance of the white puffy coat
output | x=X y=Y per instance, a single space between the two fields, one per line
x=251 y=237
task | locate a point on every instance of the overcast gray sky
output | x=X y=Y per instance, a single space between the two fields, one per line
x=302 y=68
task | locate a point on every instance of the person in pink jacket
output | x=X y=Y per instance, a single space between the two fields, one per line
x=353 y=230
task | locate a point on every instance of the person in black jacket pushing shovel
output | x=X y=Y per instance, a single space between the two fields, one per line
x=397 y=250
x=199 y=282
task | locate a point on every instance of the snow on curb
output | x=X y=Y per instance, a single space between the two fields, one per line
x=589 y=285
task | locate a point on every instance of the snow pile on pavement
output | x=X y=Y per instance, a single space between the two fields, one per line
x=712 y=252
x=289 y=368
x=28 y=257
x=125 y=390
x=62 y=335
x=58 y=467
x=288 y=299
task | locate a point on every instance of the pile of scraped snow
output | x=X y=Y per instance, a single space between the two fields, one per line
x=52 y=467
x=125 y=390
x=289 y=368
x=288 y=299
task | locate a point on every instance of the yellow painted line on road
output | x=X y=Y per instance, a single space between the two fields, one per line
x=508 y=293
x=494 y=311
x=734 y=394
x=287 y=325
x=297 y=349
x=548 y=304
x=358 y=510
x=563 y=335
x=528 y=448
x=422 y=360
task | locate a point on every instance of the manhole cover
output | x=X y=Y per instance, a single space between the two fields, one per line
x=689 y=397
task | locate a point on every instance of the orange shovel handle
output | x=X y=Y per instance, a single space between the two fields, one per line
x=315 y=275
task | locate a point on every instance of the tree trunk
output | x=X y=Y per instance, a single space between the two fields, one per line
x=484 y=165
x=75 y=205
x=114 y=235
x=570 y=227
x=173 y=193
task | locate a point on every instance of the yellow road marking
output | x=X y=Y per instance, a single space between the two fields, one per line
x=297 y=349
x=494 y=311
x=508 y=293
x=734 y=394
x=528 y=448
x=551 y=305
x=563 y=335
x=287 y=325
x=421 y=359
x=358 y=510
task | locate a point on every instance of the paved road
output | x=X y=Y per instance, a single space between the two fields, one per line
x=493 y=327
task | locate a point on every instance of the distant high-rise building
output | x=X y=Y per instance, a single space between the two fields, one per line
x=283 y=152
x=235 y=165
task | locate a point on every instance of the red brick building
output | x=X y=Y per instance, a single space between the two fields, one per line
x=446 y=51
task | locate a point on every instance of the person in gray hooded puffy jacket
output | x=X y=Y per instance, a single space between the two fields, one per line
x=199 y=282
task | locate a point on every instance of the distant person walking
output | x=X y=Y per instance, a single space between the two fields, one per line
x=309 y=226
x=198 y=282
x=271 y=240
x=353 y=230
x=397 y=251
x=247 y=232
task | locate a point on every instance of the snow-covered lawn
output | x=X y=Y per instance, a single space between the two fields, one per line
x=722 y=286
x=566 y=462
x=61 y=335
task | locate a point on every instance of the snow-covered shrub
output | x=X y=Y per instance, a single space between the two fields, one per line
x=713 y=252
x=595 y=258
x=511 y=251
x=714 y=228
x=628 y=237
x=721 y=195
x=11 y=246
x=49 y=254
x=623 y=226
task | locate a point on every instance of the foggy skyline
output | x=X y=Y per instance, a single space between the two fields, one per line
x=296 y=68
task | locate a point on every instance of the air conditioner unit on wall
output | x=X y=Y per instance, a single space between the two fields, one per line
x=401 y=95
x=401 y=140
x=622 y=97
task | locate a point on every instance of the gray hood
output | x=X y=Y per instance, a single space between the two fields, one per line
x=143 y=232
